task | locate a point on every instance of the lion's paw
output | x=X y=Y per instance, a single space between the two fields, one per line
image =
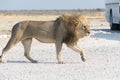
x=61 y=62
x=83 y=59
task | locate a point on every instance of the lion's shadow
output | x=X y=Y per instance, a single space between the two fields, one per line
x=27 y=62
x=106 y=34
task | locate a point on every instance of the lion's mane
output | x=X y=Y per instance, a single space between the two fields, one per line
x=70 y=24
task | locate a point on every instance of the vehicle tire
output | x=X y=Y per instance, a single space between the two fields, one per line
x=113 y=26
x=119 y=26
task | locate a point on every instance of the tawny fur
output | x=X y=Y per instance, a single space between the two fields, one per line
x=65 y=29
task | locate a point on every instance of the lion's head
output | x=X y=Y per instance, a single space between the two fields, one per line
x=74 y=27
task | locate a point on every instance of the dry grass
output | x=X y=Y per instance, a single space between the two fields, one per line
x=7 y=21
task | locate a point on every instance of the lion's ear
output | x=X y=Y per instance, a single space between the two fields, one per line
x=76 y=22
x=80 y=24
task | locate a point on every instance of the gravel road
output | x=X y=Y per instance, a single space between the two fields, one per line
x=103 y=59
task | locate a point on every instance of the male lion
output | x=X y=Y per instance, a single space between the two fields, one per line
x=65 y=29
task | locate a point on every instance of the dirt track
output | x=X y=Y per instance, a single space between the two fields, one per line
x=102 y=51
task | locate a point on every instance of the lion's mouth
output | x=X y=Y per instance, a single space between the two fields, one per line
x=87 y=34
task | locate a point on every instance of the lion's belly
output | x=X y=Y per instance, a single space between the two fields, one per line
x=45 y=39
x=44 y=36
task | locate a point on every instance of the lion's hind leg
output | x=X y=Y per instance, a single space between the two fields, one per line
x=12 y=42
x=5 y=49
x=27 y=45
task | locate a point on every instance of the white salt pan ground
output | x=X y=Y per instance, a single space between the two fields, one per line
x=103 y=59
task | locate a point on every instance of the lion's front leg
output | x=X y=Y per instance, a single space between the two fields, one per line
x=82 y=53
x=76 y=48
x=58 y=51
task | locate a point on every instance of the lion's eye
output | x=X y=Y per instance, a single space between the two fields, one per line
x=83 y=28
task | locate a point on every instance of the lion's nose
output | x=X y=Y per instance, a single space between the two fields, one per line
x=88 y=32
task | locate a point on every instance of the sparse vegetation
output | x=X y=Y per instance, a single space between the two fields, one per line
x=87 y=12
x=9 y=18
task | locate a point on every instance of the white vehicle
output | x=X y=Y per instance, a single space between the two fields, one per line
x=113 y=13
